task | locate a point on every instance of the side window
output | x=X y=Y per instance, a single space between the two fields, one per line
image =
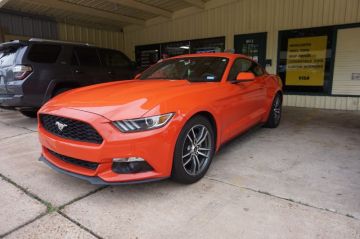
x=87 y=56
x=240 y=65
x=7 y=55
x=44 y=53
x=257 y=70
x=114 y=58
x=74 y=60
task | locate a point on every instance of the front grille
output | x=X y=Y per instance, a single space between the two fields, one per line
x=70 y=129
x=78 y=162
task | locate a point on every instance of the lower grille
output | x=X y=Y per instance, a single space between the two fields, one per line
x=78 y=162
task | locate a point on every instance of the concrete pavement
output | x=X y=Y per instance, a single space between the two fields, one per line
x=297 y=181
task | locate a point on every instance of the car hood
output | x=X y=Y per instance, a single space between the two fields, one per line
x=125 y=99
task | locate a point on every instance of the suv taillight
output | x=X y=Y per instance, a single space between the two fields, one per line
x=21 y=71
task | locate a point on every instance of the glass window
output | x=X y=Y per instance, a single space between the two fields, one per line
x=74 y=60
x=305 y=59
x=44 y=53
x=194 y=69
x=147 y=55
x=252 y=45
x=256 y=69
x=87 y=56
x=7 y=55
x=240 y=65
x=114 y=58
x=208 y=45
x=175 y=49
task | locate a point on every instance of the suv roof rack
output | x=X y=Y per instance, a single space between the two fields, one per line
x=58 y=41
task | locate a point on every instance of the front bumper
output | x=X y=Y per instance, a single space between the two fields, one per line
x=93 y=179
x=155 y=146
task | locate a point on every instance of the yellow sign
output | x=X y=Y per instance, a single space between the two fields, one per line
x=306 y=61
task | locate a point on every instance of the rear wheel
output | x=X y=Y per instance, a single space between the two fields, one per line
x=194 y=151
x=275 y=113
x=29 y=113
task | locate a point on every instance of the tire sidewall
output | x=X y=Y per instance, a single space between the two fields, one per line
x=178 y=172
x=271 y=121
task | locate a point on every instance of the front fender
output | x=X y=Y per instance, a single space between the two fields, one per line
x=184 y=114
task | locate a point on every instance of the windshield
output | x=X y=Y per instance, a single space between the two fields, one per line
x=194 y=69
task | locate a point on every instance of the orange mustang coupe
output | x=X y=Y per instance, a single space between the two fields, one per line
x=167 y=122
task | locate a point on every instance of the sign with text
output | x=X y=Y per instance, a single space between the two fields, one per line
x=306 y=61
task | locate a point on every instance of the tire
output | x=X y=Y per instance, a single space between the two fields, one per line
x=192 y=160
x=275 y=113
x=29 y=113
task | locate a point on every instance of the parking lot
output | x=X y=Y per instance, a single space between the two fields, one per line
x=299 y=180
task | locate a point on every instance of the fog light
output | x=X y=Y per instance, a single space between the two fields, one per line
x=130 y=159
x=130 y=165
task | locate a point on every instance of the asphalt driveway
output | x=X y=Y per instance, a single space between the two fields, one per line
x=300 y=180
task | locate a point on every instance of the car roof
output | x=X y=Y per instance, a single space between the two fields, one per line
x=217 y=54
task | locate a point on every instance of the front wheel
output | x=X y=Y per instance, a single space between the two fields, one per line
x=194 y=151
x=275 y=113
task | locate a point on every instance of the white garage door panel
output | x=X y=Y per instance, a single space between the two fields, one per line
x=347 y=62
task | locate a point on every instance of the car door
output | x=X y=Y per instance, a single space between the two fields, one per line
x=244 y=100
x=118 y=66
x=86 y=66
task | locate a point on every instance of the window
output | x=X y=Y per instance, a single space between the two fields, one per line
x=175 y=49
x=44 y=53
x=194 y=69
x=7 y=55
x=87 y=56
x=150 y=54
x=147 y=55
x=256 y=69
x=208 y=45
x=240 y=65
x=74 y=60
x=305 y=59
x=113 y=58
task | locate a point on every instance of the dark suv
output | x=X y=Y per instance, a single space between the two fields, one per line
x=32 y=72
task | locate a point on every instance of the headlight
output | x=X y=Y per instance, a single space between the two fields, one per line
x=142 y=124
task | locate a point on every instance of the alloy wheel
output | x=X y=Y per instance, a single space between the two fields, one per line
x=277 y=109
x=196 y=150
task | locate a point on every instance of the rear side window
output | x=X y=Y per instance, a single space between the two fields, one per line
x=257 y=70
x=87 y=56
x=114 y=58
x=44 y=53
x=7 y=56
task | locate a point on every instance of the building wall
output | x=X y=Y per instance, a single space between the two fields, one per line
x=17 y=26
x=98 y=37
x=246 y=16
x=20 y=25
x=252 y=16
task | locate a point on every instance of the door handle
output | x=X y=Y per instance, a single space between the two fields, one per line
x=77 y=71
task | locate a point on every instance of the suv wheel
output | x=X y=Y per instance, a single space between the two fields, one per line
x=29 y=113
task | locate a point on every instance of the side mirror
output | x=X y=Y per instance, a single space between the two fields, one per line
x=245 y=76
